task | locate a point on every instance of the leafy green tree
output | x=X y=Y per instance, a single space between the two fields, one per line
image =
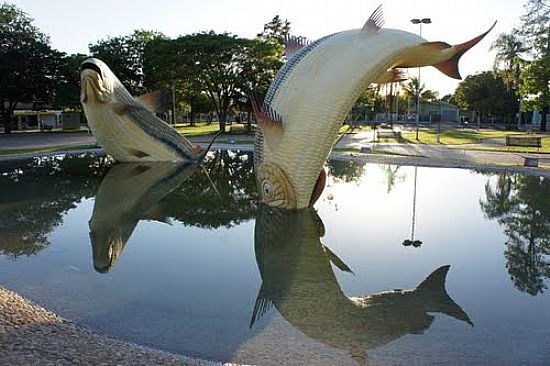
x=124 y=55
x=346 y=171
x=67 y=90
x=521 y=205
x=367 y=103
x=509 y=50
x=413 y=88
x=276 y=29
x=261 y=61
x=449 y=98
x=486 y=94
x=430 y=95
x=222 y=67
x=535 y=76
x=535 y=27
x=29 y=67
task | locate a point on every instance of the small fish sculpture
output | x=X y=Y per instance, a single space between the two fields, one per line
x=307 y=102
x=126 y=127
x=298 y=280
x=127 y=194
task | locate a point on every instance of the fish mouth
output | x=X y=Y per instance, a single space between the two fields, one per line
x=91 y=66
x=92 y=81
x=91 y=87
x=276 y=203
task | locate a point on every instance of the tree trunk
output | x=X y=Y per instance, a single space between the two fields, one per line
x=192 y=117
x=222 y=117
x=543 y=118
x=7 y=121
x=248 y=121
x=192 y=113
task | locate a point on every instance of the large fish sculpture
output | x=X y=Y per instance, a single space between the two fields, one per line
x=298 y=280
x=127 y=194
x=309 y=98
x=125 y=126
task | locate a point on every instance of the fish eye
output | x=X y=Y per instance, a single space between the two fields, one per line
x=267 y=189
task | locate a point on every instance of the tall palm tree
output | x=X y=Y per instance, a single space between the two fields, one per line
x=508 y=63
x=413 y=88
x=509 y=48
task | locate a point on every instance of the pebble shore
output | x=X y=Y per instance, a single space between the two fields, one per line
x=32 y=335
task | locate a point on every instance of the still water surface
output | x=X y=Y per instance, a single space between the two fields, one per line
x=452 y=272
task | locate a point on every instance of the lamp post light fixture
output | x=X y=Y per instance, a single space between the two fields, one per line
x=419 y=22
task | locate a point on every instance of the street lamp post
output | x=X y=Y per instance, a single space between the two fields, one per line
x=419 y=22
x=411 y=241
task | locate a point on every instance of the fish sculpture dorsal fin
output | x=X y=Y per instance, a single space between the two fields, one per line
x=294 y=44
x=375 y=21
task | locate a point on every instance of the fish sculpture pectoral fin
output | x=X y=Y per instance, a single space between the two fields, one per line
x=319 y=187
x=270 y=122
x=153 y=101
x=334 y=259
x=137 y=153
x=122 y=109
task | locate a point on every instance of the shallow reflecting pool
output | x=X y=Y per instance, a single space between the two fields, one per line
x=398 y=264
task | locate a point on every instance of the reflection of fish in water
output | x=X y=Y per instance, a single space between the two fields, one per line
x=299 y=281
x=128 y=194
x=125 y=126
x=309 y=98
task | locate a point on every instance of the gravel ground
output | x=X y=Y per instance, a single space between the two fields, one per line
x=31 y=335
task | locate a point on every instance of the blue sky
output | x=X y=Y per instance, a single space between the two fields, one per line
x=73 y=24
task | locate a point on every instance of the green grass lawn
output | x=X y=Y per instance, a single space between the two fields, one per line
x=203 y=129
x=462 y=137
x=198 y=130
x=454 y=137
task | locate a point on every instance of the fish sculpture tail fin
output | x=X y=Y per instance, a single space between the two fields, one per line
x=450 y=66
x=441 y=301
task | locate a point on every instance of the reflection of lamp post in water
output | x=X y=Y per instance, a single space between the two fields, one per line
x=419 y=22
x=411 y=241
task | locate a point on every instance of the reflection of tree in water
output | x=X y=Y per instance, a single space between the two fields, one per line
x=392 y=176
x=196 y=202
x=522 y=205
x=35 y=196
x=346 y=170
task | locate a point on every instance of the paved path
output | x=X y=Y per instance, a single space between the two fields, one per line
x=20 y=141
x=455 y=153
x=24 y=141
